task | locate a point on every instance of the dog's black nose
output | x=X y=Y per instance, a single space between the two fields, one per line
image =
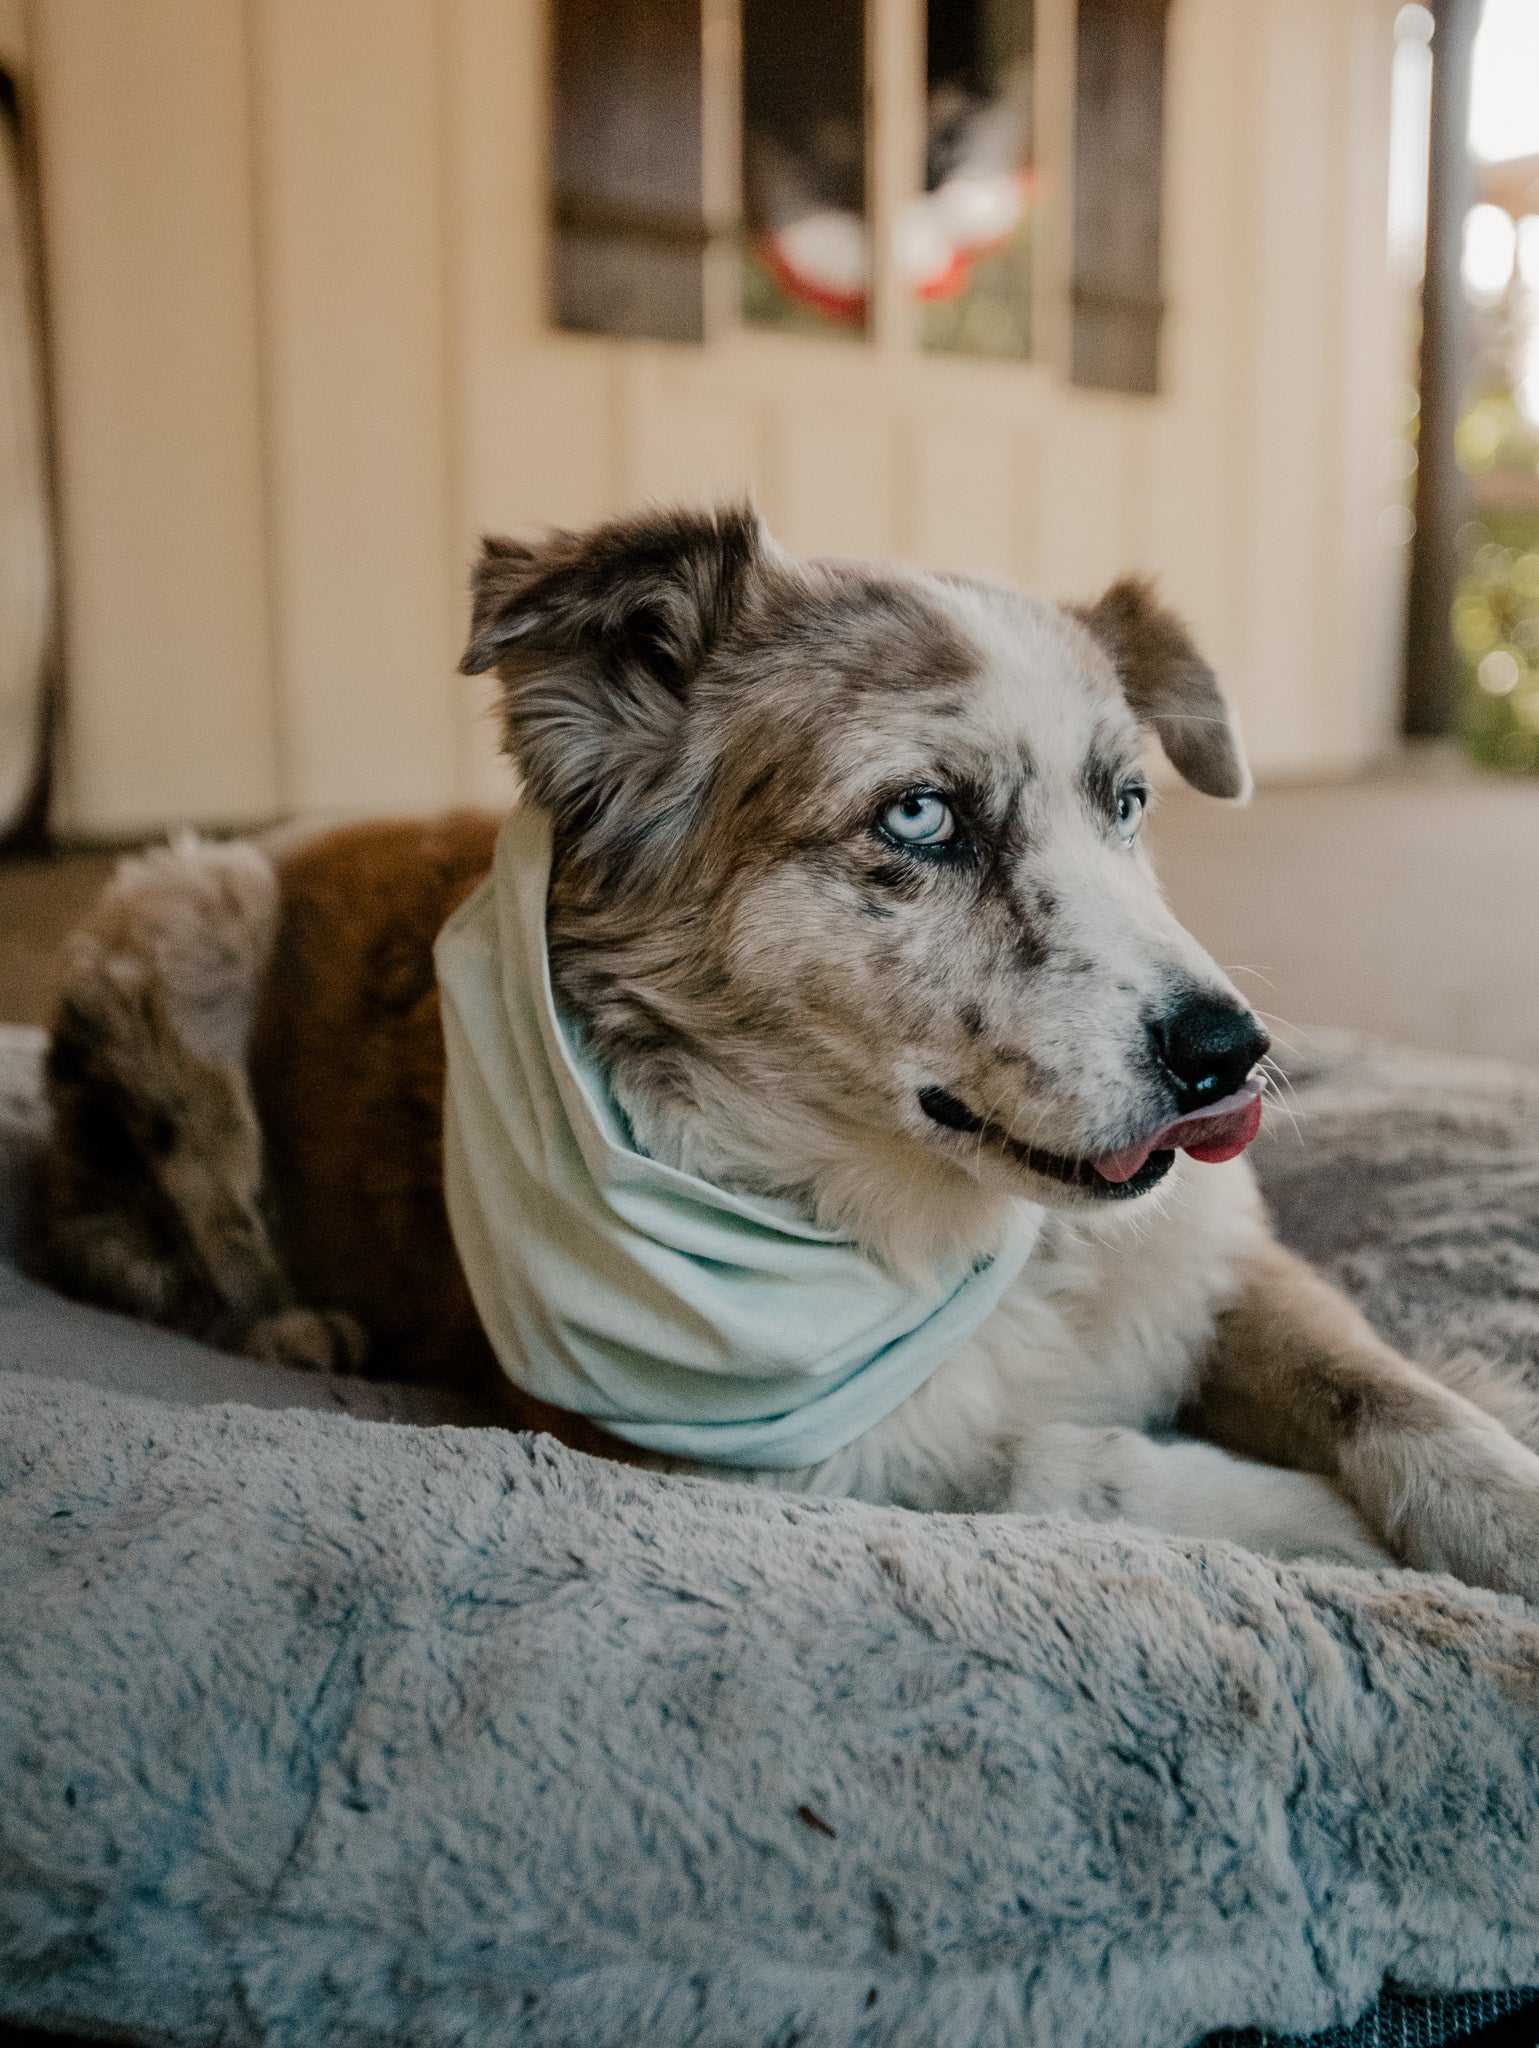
x=1207 y=1047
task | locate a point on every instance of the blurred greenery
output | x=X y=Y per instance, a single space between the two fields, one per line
x=767 y=304
x=991 y=315
x=1496 y=604
x=1496 y=631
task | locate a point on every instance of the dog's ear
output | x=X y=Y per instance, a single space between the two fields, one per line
x=1170 y=687
x=597 y=637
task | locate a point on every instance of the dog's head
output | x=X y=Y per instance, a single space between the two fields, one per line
x=849 y=890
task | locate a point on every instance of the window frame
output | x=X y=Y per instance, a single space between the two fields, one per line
x=1097 y=299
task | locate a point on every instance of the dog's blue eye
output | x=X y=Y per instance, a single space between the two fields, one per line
x=919 y=819
x=1130 y=812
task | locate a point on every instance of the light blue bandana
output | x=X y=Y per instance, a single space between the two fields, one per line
x=681 y=1317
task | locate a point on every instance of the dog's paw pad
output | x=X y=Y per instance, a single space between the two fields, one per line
x=316 y=1340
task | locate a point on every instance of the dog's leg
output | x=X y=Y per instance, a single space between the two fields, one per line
x=1296 y=1376
x=1186 y=1489
x=151 y=1194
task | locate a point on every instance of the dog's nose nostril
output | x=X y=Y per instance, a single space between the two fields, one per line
x=1207 y=1048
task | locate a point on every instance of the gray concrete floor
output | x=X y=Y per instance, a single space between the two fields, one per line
x=1406 y=904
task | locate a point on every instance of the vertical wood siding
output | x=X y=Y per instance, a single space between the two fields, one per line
x=298 y=252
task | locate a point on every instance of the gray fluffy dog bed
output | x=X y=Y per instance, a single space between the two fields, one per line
x=316 y=1729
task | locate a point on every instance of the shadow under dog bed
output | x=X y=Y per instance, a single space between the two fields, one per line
x=316 y=1728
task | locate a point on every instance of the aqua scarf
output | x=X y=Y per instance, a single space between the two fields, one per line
x=677 y=1315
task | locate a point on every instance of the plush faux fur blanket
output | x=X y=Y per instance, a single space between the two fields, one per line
x=316 y=1730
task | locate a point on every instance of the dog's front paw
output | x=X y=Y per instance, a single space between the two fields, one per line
x=1473 y=1510
x=1189 y=1489
x=316 y=1340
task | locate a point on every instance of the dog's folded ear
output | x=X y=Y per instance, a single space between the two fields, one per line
x=597 y=637
x=1169 y=687
x=661 y=586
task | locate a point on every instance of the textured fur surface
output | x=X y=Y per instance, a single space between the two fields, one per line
x=313 y=1732
x=783 y=987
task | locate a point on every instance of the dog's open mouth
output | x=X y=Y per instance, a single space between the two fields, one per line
x=1219 y=1132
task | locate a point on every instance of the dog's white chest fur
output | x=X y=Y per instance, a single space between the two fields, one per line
x=1050 y=1405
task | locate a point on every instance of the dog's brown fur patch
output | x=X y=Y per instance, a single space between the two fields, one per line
x=1297 y=1377
x=347 y=1070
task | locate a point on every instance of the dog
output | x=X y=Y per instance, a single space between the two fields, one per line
x=848 y=903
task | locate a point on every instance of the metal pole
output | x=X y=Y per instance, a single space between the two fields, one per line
x=1431 y=677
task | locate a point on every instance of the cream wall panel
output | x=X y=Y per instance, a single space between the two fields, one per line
x=1027 y=507
x=682 y=442
x=1084 y=512
x=1296 y=228
x=496 y=148
x=13 y=35
x=837 y=478
x=550 y=454
x=967 y=487
x=1344 y=536
x=146 y=176
x=350 y=114
x=1195 y=532
x=534 y=418
x=1377 y=329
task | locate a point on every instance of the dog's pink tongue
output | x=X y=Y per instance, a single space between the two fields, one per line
x=1211 y=1135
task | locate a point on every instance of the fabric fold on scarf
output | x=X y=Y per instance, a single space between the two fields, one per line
x=678 y=1315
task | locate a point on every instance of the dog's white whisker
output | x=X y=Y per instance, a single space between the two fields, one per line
x=1282 y=1033
x=1277 y=1089
x=1281 y=1106
x=1289 y=1046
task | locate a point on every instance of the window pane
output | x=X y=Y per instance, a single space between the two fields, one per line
x=965 y=244
x=1119 y=128
x=630 y=236
x=806 y=259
